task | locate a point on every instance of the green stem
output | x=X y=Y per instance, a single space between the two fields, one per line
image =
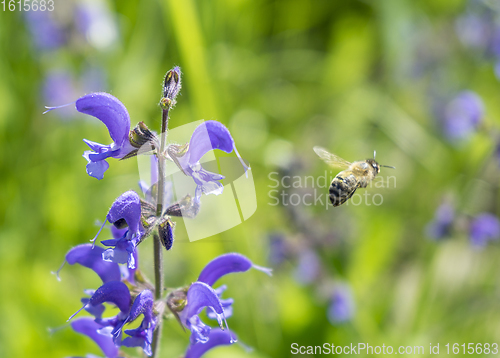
x=161 y=163
x=158 y=248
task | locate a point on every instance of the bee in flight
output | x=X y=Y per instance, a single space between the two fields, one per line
x=356 y=175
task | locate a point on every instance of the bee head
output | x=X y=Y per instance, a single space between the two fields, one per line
x=373 y=164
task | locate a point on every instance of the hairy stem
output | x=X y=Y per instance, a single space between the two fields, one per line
x=158 y=262
x=158 y=249
x=161 y=163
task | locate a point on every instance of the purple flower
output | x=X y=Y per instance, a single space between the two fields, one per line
x=90 y=328
x=142 y=336
x=341 y=308
x=117 y=293
x=474 y=30
x=47 y=34
x=441 y=226
x=308 y=268
x=110 y=111
x=483 y=228
x=216 y=337
x=90 y=256
x=114 y=115
x=462 y=115
x=207 y=136
x=189 y=304
x=96 y=24
x=114 y=292
x=124 y=213
x=278 y=249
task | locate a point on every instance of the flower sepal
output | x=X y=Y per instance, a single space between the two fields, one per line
x=166 y=233
x=143 y=140
x=186 y=207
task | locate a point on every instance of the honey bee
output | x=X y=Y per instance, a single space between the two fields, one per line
x=357 y=175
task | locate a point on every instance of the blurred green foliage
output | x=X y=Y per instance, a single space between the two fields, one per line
x=284 y=76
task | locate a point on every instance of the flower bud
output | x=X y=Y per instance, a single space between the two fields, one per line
x=171 y=88
x=166 y=232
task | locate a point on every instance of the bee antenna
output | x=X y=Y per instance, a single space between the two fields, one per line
x=388 y=166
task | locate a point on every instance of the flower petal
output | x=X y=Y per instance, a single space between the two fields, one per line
x=91 y=258
x=225 y=264
x=109 y=110
x=208 y=136
x=142 y=336
x=127 y=207
x=226 y=304
x=143 y=304
x=123 y=252
x=88 y=327
x=95 y=169
x=199 y=296
x=112 y=292
x=217 y=337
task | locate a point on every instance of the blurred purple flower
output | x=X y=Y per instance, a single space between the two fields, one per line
x=308 y=267
x=474 y=30
x=278 y=249
x=96 y=23
x=341 y=307
x=479 y=30
x=59 y=87
x=462 y=115
x=46 y=33
x=440 y=227
x=497 y=151
x=483 y=228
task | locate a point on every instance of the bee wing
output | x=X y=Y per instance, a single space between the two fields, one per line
x=331 y=159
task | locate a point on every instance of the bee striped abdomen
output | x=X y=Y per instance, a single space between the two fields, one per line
x=342 y=188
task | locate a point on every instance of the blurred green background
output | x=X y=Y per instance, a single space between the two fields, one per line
x=283 y=76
